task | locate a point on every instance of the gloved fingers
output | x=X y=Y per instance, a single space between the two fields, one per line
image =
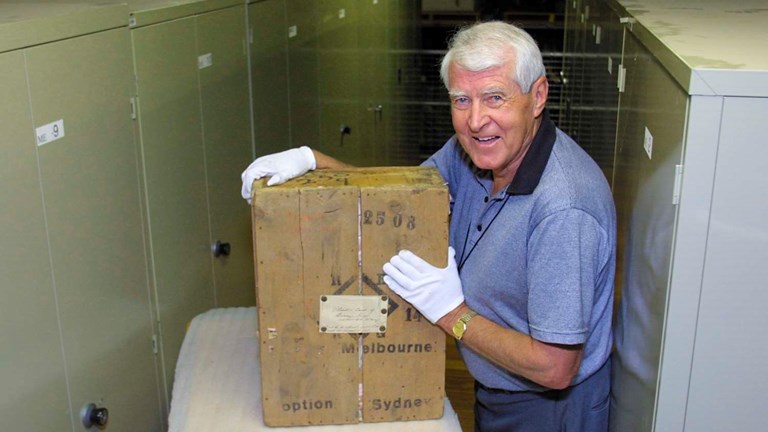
x=245 y=191
x=394 y=286
x=416 y=262
x=256 y=172
x=397 y=276
x=248 y=176
x=277 y=179
x=402 y=261
x=423 y=266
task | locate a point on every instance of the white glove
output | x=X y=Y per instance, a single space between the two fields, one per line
x=280 y=167
x=432 y=290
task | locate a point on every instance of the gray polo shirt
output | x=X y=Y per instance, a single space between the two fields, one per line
x=539 y=256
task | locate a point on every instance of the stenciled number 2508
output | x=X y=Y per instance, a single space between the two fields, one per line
x=380 y=218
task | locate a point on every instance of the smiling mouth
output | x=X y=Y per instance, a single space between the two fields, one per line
x=486 y=140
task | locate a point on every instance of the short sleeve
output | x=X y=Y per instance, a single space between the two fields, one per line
x=564 y=262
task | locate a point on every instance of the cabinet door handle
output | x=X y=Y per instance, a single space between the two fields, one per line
x=91 y=415
x=220 y=249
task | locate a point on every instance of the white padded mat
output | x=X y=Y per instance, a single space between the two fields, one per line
x=217 y=385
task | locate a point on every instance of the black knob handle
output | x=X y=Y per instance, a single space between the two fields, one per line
x=94 y=416
x=220 y=249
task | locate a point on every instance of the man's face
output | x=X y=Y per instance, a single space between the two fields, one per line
x=494 y=121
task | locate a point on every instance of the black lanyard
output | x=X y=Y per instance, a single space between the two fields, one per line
x=463 y=259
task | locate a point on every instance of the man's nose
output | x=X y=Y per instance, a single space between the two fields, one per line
x=478 y=117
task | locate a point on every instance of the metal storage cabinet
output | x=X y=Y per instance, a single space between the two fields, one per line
x=690 y=176
x=77 y=325
x=194 y=122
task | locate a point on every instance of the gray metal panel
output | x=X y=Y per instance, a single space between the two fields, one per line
x=91 y=195
x=702 y=131
x=643 y=189
x=173 y=155
x=227 y=137
x=31 y=362
x=730 y=357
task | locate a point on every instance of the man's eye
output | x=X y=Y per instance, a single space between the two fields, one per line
x=494 y=100
x=461 y=102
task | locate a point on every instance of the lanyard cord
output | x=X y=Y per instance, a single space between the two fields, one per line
x=463 y=259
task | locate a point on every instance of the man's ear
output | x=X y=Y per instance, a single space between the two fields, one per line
x=540 y=91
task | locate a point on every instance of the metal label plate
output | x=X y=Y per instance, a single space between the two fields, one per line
x=353 y=314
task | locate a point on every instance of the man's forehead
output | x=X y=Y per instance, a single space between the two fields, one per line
x=491 y=80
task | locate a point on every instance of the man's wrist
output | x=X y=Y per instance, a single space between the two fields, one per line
x=309 y=156
x=448 y=320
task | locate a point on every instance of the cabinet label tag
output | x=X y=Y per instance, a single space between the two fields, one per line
x=204 y=61
x=50 y=132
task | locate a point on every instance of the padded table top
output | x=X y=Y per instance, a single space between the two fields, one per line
x=217 y=385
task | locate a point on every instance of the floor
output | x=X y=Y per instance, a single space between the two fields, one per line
x=459 y=387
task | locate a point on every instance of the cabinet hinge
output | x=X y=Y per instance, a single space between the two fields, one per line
x=678 y=184
x=621 y=76
x=133 y=108
x=154 y=344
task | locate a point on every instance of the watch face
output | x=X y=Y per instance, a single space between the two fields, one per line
x=461 y=325
x=458 y=329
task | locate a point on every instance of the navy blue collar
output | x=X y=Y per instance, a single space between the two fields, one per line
x=535 y=160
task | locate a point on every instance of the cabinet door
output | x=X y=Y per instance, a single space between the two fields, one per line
x=339 y=81
x=376 y=47
x=90 y=187
x=573 y=63
x=31 y=362
x=302 y=19
x=269 y=76
x=652 y=105
x=228 y=150
x=165 y=59
x=600 y=93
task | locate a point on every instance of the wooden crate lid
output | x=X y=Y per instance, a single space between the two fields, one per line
x=379 y=177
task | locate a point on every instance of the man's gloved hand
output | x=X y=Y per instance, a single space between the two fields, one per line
x=432 y=290
x=280 y=167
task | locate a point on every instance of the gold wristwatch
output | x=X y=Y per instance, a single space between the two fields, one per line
x=461 y=324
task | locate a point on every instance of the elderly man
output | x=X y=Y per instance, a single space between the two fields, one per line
x=528 y=290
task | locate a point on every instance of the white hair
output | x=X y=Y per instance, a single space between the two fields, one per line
x=491 y=44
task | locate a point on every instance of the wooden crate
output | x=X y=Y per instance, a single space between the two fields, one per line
x=329 y=233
